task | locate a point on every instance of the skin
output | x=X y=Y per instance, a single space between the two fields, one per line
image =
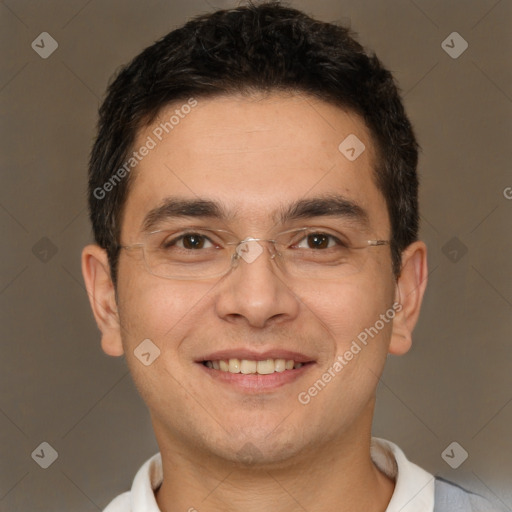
x=255 y=155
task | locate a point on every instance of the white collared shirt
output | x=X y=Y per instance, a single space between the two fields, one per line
x=414 y=487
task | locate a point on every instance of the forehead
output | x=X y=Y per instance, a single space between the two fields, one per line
x=255 y=157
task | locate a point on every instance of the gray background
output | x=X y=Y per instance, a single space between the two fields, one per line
x=58 y=386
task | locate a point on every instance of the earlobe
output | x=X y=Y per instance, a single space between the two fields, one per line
x=101 y=293
x=410 y=289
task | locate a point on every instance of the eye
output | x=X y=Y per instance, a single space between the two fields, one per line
x=319 y=241
x=188 y=241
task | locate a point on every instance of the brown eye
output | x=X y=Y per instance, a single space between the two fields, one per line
x=318 y=241
x=193 y=241
x=189 y=241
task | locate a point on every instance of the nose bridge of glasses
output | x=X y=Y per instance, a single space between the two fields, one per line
x=250 y=248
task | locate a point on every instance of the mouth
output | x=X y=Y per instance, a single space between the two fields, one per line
x=252 y=372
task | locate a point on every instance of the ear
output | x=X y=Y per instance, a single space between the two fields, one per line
x=101 y=292
x=410 y=289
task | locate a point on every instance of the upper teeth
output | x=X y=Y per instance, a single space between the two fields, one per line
x=250 y=366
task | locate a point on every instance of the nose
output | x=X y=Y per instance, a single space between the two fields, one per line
x=255 y=292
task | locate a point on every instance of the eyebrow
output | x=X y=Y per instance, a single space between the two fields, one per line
x=176 y=207
x=323 y=206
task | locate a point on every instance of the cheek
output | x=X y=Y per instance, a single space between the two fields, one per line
x=158 y=309
x=350 y=307
x=164 y=312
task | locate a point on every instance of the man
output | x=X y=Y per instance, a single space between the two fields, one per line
x=253 y=195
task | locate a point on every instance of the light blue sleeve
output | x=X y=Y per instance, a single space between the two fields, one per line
x=452 y=498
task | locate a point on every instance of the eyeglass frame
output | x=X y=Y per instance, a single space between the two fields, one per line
x=235 y=257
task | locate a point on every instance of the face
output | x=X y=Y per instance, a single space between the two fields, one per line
x=255 y=159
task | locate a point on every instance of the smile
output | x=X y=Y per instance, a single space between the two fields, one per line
x=250 y=366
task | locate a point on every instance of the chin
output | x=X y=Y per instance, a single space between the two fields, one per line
x=260 y=446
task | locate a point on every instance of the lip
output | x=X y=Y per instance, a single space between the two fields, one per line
x=253 y=355
x=254 y=383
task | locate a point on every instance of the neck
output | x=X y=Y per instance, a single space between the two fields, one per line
x=338 y=476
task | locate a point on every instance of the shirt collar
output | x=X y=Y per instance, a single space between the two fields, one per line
x=146 y=481
x=414 y=487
